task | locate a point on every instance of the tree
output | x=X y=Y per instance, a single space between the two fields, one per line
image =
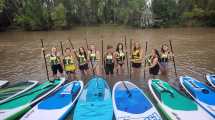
x=165 y=10
x=58 y=16
x=33 y=15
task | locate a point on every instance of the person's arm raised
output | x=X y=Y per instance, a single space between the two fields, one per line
x=154 y=63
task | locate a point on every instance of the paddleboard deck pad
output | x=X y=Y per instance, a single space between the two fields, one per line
x=130 y=103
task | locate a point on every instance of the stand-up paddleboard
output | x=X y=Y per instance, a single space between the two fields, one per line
x=57 y=105
x=17 y=106
x=200 y=92
x=174 y=104
x=95 y=101
x=3 y=83
x=130 y=103
x=15 y=89
x=211 y=79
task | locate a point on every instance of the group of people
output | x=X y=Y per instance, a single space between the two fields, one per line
x=90 y=61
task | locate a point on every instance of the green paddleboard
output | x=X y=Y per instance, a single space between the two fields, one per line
x=15 y=89
x=17 y=106
x=174 y=104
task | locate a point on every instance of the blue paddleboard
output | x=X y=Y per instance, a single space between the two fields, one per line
x=130 y=103
x=200 y=92
x=95 y=101
x=211 y=79
x=57 y=105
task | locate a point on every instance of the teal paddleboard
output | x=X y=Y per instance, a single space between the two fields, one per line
x=95 y=101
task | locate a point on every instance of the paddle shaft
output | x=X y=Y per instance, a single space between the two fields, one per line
x=165 y=89
x=126 y=54
x=44 y=56
x=197 y=87
x=61 y=46
x=173 y=58
x=144 y=73
x=76 y=56
x=102 y=52
x=90 y=60
x=131 y=58
x=129 y=93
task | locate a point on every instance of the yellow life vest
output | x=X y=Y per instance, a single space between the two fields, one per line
x=82 y=59
x=93 y=57
x=54 y=60
x=120 y=56
x=164 y=57
x=69 y=64
x=136 y=56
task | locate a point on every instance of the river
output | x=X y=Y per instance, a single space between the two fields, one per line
x=21 y=57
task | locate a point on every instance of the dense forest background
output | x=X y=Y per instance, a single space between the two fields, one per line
x=64 y=14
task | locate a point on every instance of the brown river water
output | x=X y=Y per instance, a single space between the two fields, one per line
x=21 y=57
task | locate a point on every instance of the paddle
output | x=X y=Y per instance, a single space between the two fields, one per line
x=44 y=56
x=126 y=54
x=102 y=52
x=131 y=58
x=61 y=46
x=173 y=58
x=123 y=82
x=165 y=89
x=197 y=87
x=102 y=55
x=76 y=56
x=90 y=60
x=144 y=73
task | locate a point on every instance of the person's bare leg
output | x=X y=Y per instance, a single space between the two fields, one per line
x=68 y=77
x=96 y=70
x=55 y=76
x=73 y=76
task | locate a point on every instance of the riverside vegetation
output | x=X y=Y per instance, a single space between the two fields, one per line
x=64 y=14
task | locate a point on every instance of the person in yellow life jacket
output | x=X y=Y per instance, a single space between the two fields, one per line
x=55 y=62
x=120 y=58
x=69 y=64
x=165 y=56
x=136 y=58
x=83 y=61
x=109 y=61
x=94 y=57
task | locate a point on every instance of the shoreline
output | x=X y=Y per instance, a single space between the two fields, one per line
x=19 y=29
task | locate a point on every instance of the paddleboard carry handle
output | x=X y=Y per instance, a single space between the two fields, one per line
x=165 y=89
x=205 y=91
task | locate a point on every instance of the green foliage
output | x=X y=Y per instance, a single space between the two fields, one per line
x=58 y=15
x=33 y=16
x=2 y=3
x=165 y=10
x=54 y=14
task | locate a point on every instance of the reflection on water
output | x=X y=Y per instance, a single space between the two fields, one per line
x=21 y=57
